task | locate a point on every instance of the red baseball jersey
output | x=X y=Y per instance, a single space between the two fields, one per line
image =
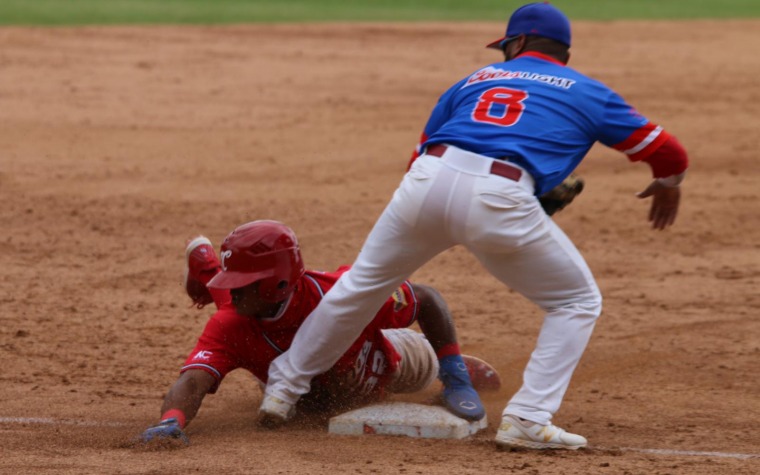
x=232 y=341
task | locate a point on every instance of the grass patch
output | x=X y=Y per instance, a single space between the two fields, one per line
x=107 y=12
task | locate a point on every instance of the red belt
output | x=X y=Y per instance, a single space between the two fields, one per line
x=498 y=167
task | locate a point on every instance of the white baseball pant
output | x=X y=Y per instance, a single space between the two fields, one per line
x=440 y=203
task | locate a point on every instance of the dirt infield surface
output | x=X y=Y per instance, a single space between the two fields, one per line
x=117 y=144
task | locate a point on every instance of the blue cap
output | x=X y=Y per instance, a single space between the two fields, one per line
x=538 y=19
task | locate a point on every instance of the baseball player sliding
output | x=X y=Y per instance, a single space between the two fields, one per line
x=497 y=140
x=263 y=294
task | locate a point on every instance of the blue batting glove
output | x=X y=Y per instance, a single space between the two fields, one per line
x=459 y=396
x=166 y=429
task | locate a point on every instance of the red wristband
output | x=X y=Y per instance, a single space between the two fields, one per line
x=448 y=350
x=178 y=414
x=669 y=159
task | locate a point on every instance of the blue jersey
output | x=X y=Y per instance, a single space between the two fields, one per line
x=540 y=114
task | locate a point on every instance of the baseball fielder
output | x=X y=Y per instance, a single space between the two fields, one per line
x=263 y=294
x=497 y=140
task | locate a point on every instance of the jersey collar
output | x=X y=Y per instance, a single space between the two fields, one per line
x=536 y=54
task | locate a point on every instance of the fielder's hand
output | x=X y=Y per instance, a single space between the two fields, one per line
x=665 y=200
x=168 y=429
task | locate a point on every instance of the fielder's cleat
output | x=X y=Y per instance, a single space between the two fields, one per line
x=201 y=265
x=517 y=433
x=458 y=395
x=275 y=412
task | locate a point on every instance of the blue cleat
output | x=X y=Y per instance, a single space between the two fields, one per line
x=459 y=396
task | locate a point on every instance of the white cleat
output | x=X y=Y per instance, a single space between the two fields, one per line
x=518 y=433
x=275 y=412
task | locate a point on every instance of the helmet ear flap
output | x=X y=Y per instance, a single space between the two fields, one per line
x=274 y=290
x=287 y=269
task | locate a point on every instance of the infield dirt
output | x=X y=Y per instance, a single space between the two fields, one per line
x=118 y=144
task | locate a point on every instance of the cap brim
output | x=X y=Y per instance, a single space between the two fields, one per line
x=235 y=280
x=496 y=44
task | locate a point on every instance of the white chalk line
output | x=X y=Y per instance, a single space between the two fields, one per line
x=65 y=422
x=73 y=422
x=695 y=453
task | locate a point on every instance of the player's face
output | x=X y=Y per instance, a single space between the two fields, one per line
x=248 y=303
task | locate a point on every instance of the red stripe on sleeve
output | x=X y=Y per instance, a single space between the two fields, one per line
x=635 y=138
x=650 y=148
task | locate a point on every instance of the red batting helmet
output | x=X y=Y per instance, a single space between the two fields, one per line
x=261 y=251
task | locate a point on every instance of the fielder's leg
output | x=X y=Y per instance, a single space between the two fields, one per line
x=551 y=273
x=394 y=249
x=390 y=254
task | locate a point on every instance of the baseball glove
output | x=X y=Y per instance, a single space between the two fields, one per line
x=561 y=195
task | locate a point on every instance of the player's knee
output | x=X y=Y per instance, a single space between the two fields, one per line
x=598 y=299
x=590 y=299
x=587 y=303
x=594 y=303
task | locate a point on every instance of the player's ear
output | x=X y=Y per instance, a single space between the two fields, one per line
x=520 y=43
x=519 y=46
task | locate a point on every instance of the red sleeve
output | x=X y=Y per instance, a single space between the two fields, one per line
x=212 y=353
x=668 y=159
x=400 y=310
